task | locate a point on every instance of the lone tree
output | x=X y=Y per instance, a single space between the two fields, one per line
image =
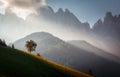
x=30 y=45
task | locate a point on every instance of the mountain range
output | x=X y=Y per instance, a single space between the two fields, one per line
x=104 y=34
x=58 y=23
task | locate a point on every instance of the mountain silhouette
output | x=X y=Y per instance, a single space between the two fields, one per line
x=109 y=27
x=109 y=31
x=63 y=18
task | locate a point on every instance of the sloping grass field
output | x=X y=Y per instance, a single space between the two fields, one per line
x=16 y=63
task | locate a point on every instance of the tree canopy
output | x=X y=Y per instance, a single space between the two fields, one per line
x=30 y=45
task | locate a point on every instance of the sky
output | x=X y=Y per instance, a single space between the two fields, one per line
x=87 y=10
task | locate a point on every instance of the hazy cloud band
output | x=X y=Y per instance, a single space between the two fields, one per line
x=23 y=7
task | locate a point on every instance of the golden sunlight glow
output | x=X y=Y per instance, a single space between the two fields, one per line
x=22 y=13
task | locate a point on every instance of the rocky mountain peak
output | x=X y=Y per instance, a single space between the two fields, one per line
x=60 y=10
x=109 y=17
x=67 y=11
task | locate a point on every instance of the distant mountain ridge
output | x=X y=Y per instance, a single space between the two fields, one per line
x=65 y=18
x=109 y=27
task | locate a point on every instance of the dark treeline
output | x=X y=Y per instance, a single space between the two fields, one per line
x=3 y=43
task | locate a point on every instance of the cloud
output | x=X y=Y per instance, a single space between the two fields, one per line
x=22 y=7
x=27 y=3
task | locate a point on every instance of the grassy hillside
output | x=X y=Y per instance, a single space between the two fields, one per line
x=15 y=63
